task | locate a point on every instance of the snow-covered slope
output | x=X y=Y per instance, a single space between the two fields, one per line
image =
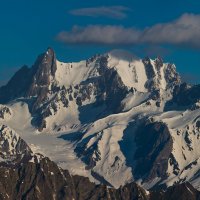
x=184 y=162
x=114 y=118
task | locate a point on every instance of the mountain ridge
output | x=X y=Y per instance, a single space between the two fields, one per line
x=112 y=115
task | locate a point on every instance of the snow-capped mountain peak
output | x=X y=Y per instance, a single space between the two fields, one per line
x=113 y=111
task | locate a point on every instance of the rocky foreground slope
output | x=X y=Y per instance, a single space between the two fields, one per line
x=114 y=118
x=33 y=176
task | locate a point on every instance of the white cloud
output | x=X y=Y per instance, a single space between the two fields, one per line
x=96 y=34
x=182 y=31
x=117 y=12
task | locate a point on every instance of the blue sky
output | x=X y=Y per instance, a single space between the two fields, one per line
x=78 y=29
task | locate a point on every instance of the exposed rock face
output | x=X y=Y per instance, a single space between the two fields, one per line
x=89 y=155
x=31 y=82
x=43 y=77
x=129 y=192
x=171 y=76
x=44 y=69
x=183 y=191
x=44 y=180
x=185 y=95
x=17 y=85
x=154 y=70
x=150 y=73
x=152 y=161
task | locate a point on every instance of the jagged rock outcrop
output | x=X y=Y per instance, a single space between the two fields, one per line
x=42 y=79
x=13 y=149
x=44 y=180
x=183 y=191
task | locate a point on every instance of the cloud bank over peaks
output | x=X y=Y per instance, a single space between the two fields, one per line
x=183 y=31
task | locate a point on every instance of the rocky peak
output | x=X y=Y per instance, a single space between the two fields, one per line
x=13 y=149
x=159 y=62
x=43 y=78
x=160 y=75
x=35 y=81
x=43 y=73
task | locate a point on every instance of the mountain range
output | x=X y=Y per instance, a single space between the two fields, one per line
x=126 y=127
